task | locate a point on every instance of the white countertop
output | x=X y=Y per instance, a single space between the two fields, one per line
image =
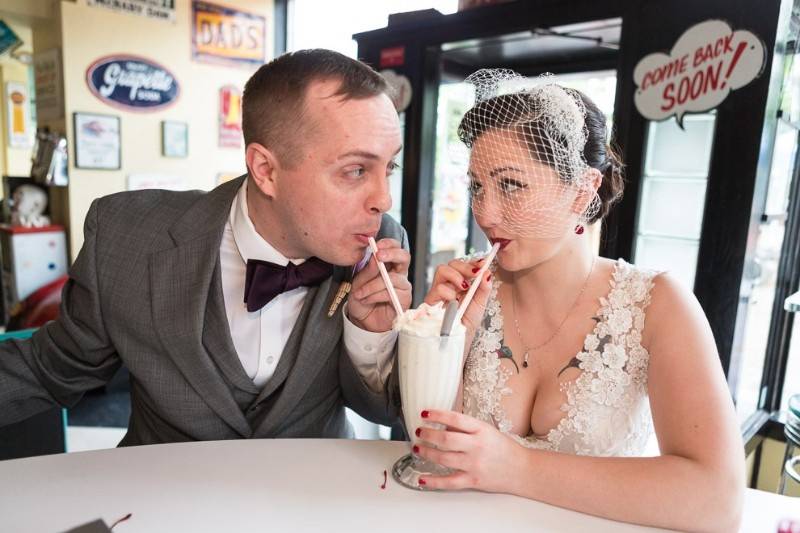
x=278 y=485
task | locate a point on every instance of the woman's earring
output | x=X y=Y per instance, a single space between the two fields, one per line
x=579 y=229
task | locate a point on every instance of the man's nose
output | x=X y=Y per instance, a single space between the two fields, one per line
x=380 y=199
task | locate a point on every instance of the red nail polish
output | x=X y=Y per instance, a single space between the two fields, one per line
x=475 y=269
x=489 y=277
x=421 y=481
x=464 y=285
x=418 y=431
x=424 y=414
x=415 y=448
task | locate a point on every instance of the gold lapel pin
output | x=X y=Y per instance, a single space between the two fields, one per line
x=346 y=284
x=344 y=289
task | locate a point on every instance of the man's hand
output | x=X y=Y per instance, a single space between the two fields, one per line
x=370 y=306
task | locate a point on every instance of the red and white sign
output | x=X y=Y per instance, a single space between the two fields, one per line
x=230 y=117
x=707 y=62
x=392 y=57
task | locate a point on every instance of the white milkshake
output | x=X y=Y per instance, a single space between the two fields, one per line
x=430 y=373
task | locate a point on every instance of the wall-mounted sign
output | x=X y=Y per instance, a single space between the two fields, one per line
x=97 y=141
x=224 y=35
x=9 y=41
x=49 y=85
x=706 y=63
x=154 y=9
x=174 y=138
x=18 y=104
x=230 y=117
x=392 y=57
x=401 y=89
x=132 y=83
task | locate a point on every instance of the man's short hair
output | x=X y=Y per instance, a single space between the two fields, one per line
x=274 y=97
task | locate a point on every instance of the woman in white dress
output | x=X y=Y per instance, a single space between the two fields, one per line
x=574 y=359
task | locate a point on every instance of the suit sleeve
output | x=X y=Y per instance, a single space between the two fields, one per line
x=379 y=406
x=67 y=356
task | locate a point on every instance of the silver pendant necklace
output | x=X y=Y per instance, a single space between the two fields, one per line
x=553 y=336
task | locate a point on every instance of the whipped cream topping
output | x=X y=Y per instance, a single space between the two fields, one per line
x=425 y=321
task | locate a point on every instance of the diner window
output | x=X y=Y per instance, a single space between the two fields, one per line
x=672 y=202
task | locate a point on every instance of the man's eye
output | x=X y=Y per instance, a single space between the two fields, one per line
x=357 y=172
x=392 y=168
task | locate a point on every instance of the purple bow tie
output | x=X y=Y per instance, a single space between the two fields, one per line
x=264 y=280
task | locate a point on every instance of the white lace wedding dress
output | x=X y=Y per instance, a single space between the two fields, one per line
x=607 y=411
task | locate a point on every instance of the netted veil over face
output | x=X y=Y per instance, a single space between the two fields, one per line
x=528 y=174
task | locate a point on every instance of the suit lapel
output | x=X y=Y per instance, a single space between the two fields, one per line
x=181 y=286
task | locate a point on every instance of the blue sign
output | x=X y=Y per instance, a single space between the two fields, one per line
x=8 y=39
x=132 y=83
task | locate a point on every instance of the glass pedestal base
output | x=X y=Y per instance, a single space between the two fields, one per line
x=408 y=469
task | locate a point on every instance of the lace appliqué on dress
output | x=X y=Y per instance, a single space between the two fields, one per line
x=484 y=378
x=607 y=410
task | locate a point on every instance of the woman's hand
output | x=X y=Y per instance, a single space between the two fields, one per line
x=452 y=281
x=483 y=458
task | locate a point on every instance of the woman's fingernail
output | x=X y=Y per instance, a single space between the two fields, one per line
x=415 y=448
x=489 y=277
x=418 y=431
x=421 y=481
x=464 y=285
x=424 y=414
x=475 y=269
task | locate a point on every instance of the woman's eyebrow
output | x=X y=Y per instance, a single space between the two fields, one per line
x=500 y=170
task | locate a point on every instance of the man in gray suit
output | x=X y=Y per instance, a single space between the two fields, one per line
x=217 y=303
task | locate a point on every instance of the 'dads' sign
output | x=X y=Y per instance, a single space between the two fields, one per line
x=707 y=62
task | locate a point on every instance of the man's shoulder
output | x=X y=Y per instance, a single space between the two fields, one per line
x=139 y=202
x=145 y=218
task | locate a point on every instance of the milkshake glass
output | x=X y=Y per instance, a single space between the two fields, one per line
x=430 y=373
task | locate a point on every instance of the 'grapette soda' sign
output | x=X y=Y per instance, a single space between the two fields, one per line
x=132 y=83
x=706 y=63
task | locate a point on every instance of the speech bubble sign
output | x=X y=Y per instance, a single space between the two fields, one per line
x=706 y=63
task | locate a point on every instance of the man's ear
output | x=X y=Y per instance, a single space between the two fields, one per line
x=593 y=179
x=263 y=167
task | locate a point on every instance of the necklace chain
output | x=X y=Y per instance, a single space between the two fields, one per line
x=553 y=336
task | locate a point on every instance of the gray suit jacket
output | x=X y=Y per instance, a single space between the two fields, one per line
x=146 y=292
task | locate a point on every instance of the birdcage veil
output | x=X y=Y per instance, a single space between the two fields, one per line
x=527 y=164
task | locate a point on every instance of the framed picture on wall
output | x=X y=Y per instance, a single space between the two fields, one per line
x=174 y=138
x=97 y=141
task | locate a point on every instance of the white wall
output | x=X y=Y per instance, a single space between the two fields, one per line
x=89 y=33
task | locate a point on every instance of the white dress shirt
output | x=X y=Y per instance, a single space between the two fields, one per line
x=259 y=337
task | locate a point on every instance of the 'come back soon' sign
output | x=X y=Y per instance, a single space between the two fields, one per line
x=224 y=35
